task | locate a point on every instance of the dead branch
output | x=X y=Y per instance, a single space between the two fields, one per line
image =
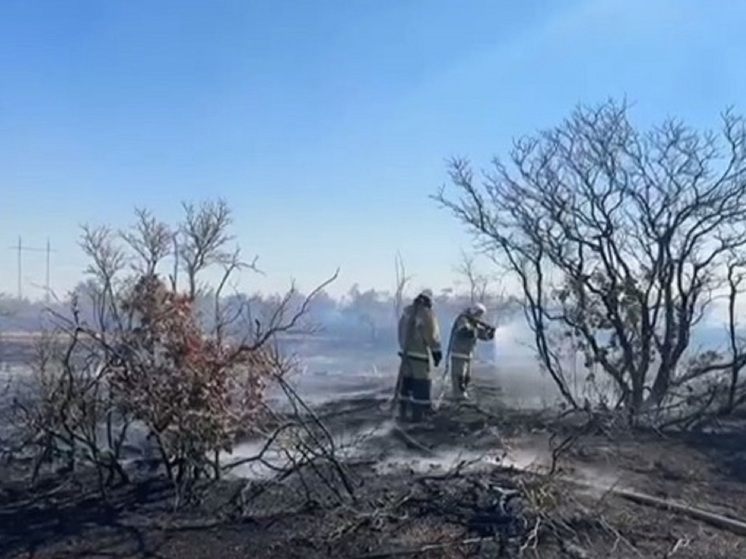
x=737 y=526
x=620 y=238
x=278 y=323
x=733 y=525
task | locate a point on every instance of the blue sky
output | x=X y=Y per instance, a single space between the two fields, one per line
x=324 y=124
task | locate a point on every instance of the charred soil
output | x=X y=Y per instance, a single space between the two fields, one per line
x=460 y=486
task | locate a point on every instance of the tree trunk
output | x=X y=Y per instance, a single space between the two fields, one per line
x=637 y=396
x=661 y=384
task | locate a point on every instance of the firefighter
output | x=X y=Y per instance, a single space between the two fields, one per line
x=467 y=329
x=419 y=340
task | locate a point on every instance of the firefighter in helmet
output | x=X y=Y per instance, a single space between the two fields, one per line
x=419 y=342
x=467 y=329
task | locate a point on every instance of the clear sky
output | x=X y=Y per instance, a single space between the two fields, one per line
x=324 y=124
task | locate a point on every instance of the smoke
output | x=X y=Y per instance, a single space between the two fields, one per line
x=513 y=340
x=349 y=443
x=346 y=362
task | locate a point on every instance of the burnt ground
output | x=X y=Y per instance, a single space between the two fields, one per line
x=409 y=495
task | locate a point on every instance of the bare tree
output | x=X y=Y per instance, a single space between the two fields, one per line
x=203 y=239
x=477 y=283
x=150 y=240
x=402 y=280
x=621 y=237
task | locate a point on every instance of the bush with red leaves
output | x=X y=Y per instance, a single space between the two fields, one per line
x=194 y=393
x=144 y=356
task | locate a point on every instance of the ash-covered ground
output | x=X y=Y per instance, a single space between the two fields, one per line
x=471 y=482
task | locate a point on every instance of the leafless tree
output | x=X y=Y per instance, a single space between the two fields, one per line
x=478 y=283
x=402 y=280
x=204 y=237
x=622 y=238
x=150 y=241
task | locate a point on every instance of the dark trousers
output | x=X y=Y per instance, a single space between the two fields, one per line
x=414 y=394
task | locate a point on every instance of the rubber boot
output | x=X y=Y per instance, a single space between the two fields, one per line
x=464 y=395
x=417 y=413
x=457 y=393
x=403 y=412
x=428 y=409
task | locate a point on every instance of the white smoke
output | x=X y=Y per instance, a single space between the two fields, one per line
x=513 y=340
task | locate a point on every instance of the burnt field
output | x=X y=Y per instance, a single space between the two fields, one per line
x=17 y=348
x=474 y=481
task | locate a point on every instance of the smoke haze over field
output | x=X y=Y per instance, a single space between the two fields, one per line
x=353 y=351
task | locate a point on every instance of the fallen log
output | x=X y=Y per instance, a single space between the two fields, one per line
x=720 y=521
x=733 y=525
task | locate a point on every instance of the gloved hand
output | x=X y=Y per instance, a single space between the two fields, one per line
x=437 y=356
x=491 y=334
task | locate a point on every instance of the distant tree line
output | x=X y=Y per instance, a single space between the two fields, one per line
x=366 y=316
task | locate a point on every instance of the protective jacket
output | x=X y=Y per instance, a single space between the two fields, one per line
x=466 y=331
x=419 y=335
